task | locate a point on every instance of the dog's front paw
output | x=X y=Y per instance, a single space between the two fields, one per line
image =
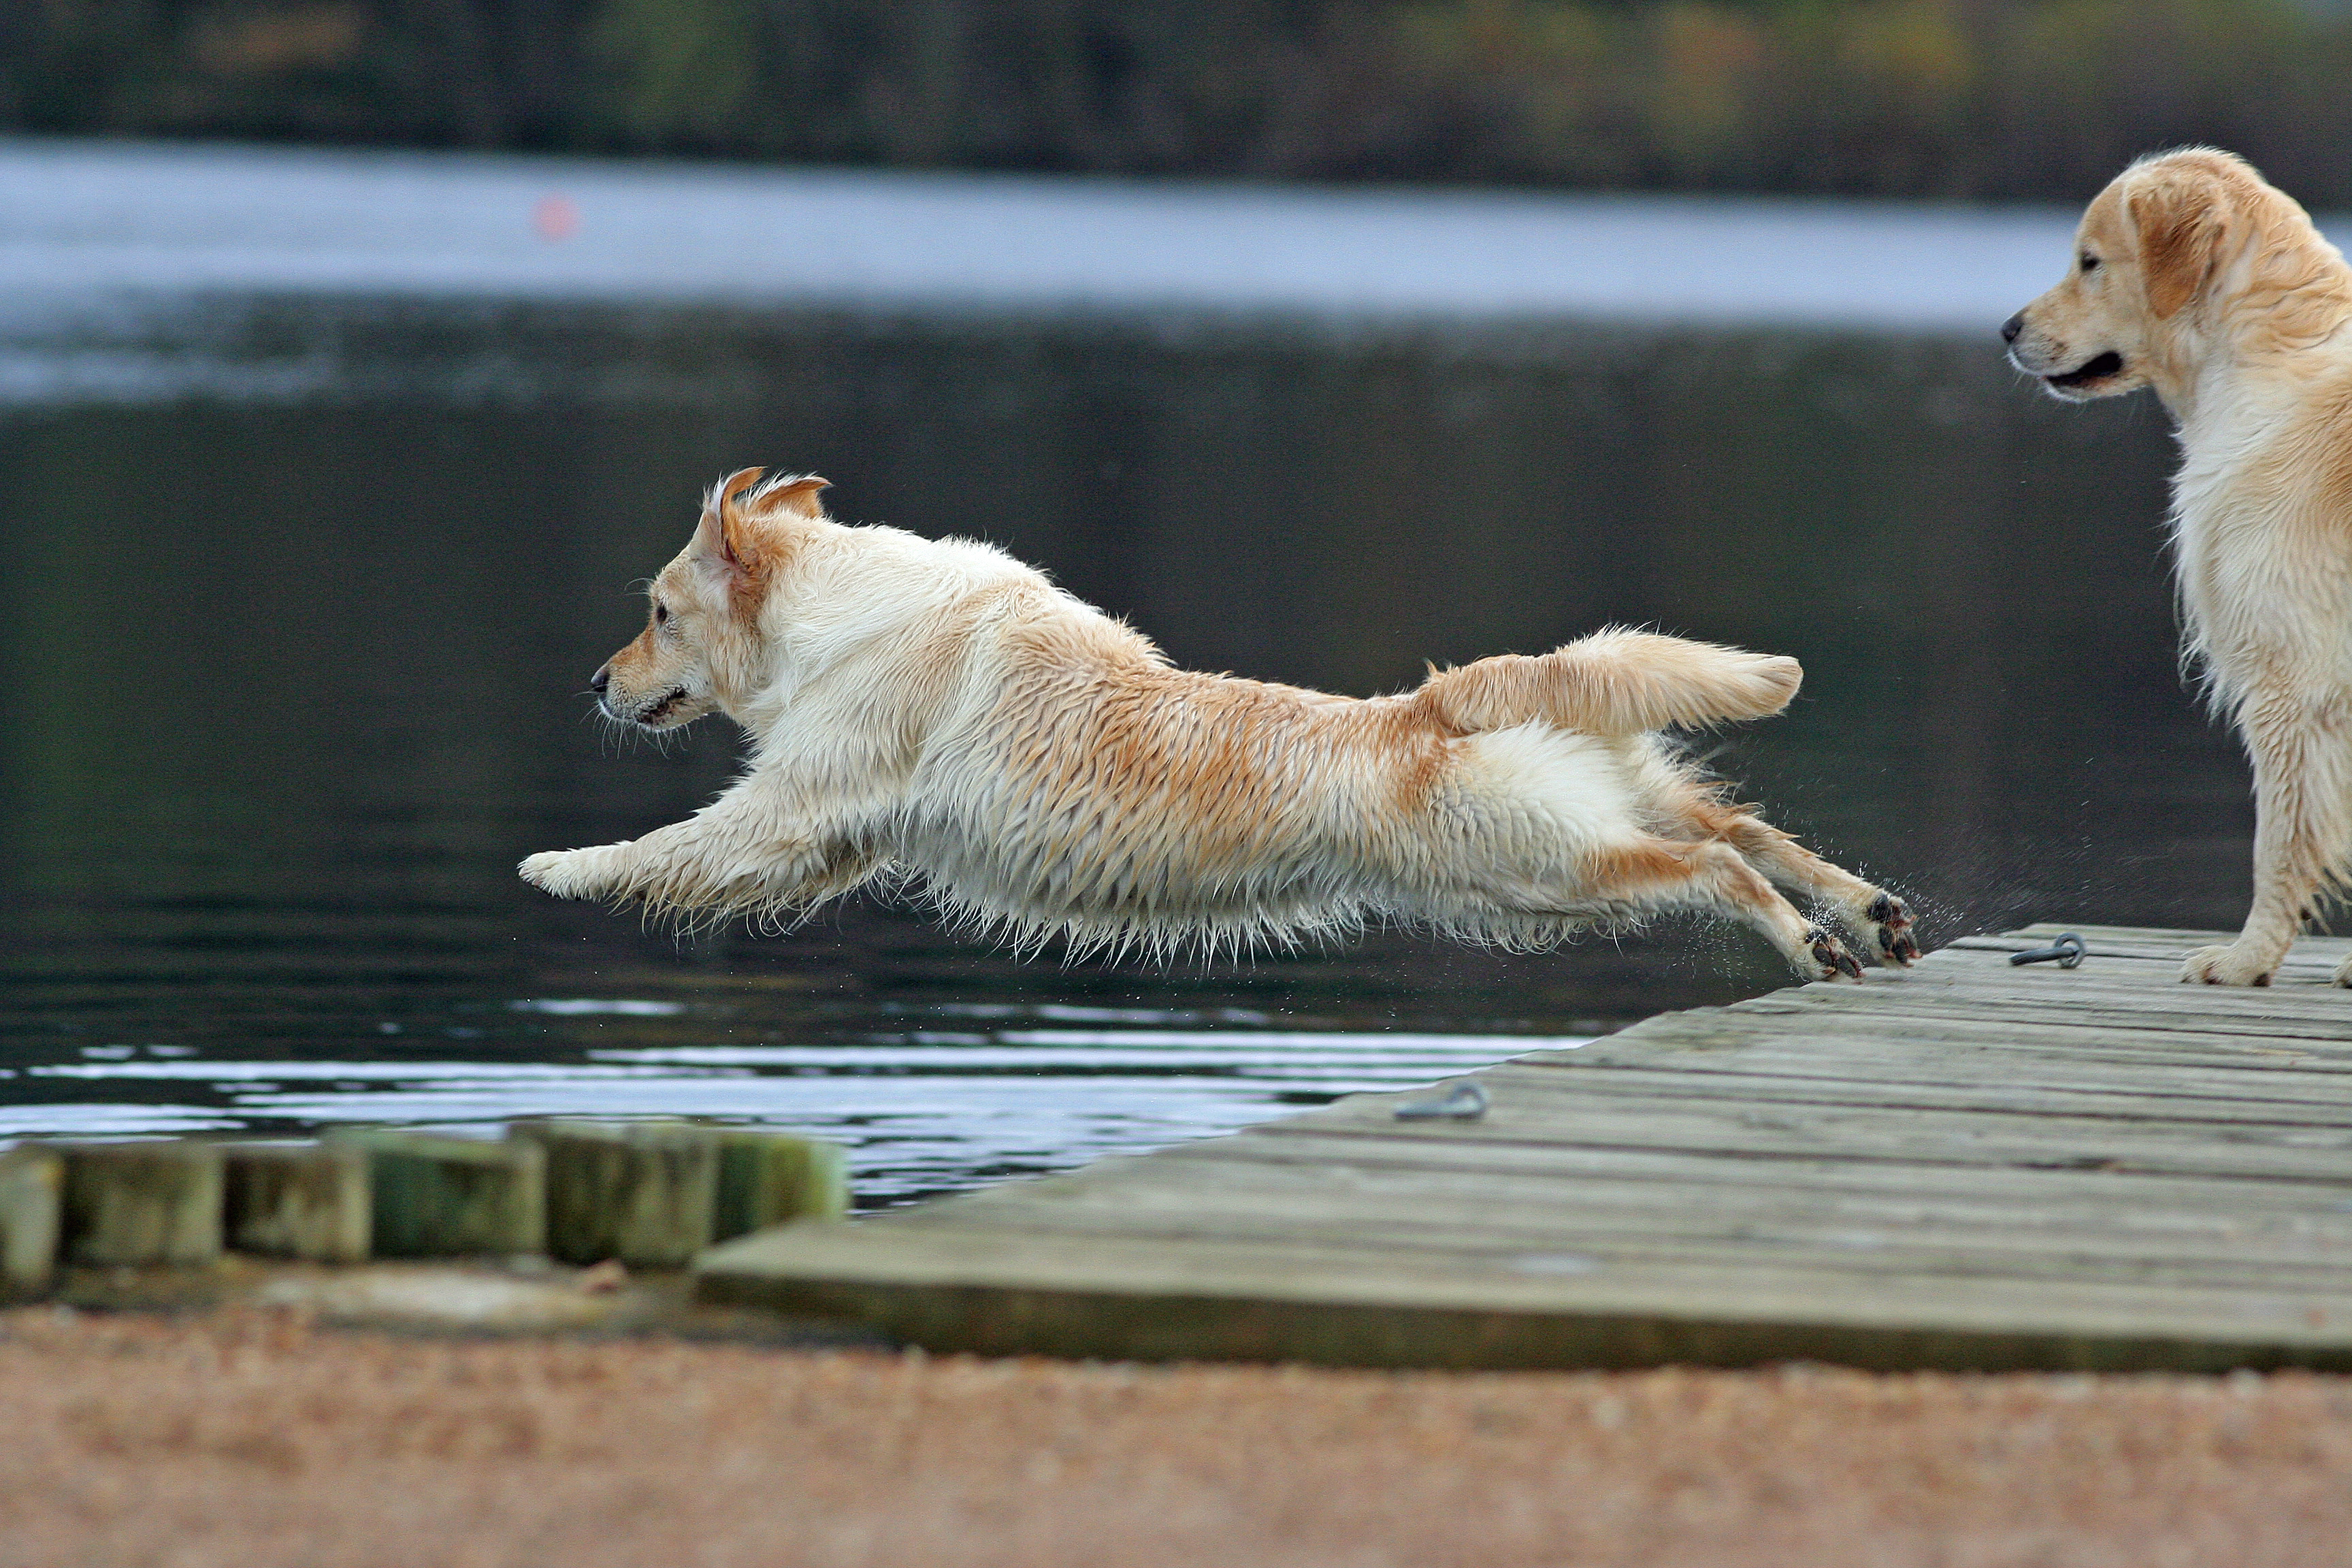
x=2344 y=973
x=1886 y=930
x=2229 y=964
x=566 y=873
x=1826 y=956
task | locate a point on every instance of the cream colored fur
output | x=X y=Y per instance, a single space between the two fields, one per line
x=936 y=710
x=2212 y=286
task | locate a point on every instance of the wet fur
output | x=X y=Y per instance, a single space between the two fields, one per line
x=2213 y=288
x=936 y=711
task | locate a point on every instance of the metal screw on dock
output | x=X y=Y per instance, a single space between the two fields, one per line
x=1465 y=1100
x=437 y=1196
x=140 y=1205
x=32 y=1190
x=310 y=1200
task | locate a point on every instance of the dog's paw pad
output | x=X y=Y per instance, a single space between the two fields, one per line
x=1890 y=921
x=1832 y=956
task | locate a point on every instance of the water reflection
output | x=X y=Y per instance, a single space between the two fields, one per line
x=926 y=1108
x=300 y=677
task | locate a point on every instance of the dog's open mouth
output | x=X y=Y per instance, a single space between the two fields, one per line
x=2091 y=370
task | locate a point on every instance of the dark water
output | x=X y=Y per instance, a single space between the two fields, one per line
x=298 y=614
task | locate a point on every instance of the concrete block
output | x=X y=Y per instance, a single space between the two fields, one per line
x=297 y=1200
x=436 y=1196
x=642 y=1192
x=767 y=1178
x=32 y=1190
x=140 y=1205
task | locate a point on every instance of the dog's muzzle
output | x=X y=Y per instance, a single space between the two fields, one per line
x=652 y=713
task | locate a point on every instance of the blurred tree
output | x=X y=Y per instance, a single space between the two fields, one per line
x=1966 y=98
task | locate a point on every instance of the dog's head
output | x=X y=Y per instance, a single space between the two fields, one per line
x=2164 y=259
x=701 y=647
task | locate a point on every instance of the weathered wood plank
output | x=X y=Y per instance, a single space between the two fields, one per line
x=1439 y=1236
x=1363 y=1206
x=2103 y=1012
x=2109 y=1196
x=2262 y=1063
x=1901 y=1131
x=1760 y=1077
x=1003 y=1293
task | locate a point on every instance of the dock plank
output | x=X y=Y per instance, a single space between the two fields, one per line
x=1966 y=1164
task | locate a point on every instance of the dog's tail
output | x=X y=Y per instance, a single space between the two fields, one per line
x=1614 y=683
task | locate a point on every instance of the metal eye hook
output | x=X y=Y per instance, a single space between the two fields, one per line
x=2067 y=950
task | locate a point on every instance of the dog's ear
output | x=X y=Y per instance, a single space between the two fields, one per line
x=797 y=497
x=2178 y=219
x=722 y=537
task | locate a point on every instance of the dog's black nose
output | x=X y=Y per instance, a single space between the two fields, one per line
x=597 y=682
x=2012 y=327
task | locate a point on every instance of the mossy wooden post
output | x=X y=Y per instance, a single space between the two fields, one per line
x=141 y=1204
x=767 y=1178
x=301 y=1200
x=32 y=1184
x=643 y=1194
x=435 y=1196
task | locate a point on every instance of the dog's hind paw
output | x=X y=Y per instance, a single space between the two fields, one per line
x=1830 y=956
x=1888 y=931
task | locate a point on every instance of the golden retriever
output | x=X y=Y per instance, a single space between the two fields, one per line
x=938 y=711
x=2194 y=277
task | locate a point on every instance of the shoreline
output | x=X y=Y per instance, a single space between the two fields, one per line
x=258 y=1438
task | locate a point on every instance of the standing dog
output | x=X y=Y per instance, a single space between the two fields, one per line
x=2194 y=277
x=939 y=710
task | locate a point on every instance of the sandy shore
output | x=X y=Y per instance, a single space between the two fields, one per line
x=253 y=1438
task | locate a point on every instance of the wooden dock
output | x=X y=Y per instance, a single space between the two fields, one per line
x=1964 y=1166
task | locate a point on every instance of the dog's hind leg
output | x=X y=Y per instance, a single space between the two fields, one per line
x=1879 y=923
x=1666 y=873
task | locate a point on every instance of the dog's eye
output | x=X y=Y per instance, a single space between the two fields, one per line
x=2090 y=263
x=661 y=615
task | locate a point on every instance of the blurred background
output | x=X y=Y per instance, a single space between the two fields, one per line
x=358 y=359
x=1999 y=99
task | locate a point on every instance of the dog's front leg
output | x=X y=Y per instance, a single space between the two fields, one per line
x=740 y=852
x=2301 y=760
